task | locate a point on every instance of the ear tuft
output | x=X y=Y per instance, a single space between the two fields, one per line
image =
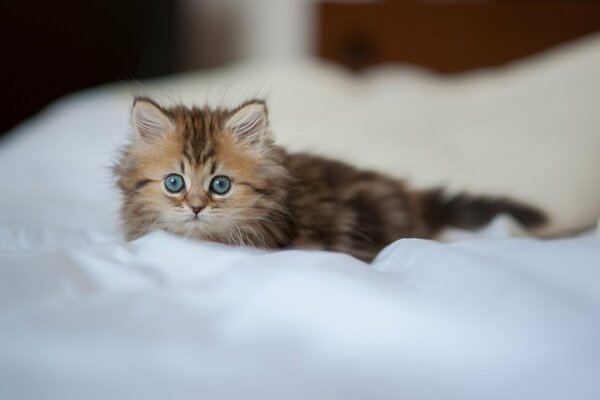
x=250 y=122
x=149 y=120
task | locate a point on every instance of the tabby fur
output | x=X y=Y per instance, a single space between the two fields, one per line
x=277 y=199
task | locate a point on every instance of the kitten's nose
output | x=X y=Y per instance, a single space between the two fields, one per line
x=196 y=209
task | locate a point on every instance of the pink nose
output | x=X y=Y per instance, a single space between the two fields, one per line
x=196 y=209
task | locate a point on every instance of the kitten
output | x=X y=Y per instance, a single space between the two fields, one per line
x=216 y=175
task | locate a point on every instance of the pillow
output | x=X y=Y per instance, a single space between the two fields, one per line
x=529 y=130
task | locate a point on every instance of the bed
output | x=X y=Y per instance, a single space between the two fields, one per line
x=491 y=314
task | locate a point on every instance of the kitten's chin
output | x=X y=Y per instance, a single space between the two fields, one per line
x=188 y=227
x=191 y=231
x=195 y=225
x=200 y=229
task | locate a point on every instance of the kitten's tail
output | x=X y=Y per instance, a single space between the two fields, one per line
x=469 y=212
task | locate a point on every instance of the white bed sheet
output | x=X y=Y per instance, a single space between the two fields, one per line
x=85 y=315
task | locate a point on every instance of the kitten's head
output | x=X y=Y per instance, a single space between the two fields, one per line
x=211 y=174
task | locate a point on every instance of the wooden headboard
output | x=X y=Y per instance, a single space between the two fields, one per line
x=447 y=35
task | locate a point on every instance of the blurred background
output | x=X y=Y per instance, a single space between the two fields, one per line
x=55 y=47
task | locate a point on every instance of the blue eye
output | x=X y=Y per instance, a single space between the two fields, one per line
x=220 y=184
x=174 y=183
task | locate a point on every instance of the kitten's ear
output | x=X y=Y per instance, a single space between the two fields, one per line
x=250 y=122
x=149 y=120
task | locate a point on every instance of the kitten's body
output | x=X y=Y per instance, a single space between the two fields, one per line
x=276 y=199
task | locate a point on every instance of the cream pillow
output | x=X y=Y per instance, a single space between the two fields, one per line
x=530 y=130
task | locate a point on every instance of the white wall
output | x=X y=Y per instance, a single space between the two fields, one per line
x=219 y=31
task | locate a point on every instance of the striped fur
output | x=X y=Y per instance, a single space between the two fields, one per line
x=277 y=199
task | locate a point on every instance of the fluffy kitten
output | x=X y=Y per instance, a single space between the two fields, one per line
x=215 y=174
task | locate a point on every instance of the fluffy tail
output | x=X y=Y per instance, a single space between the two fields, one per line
x=469 y=212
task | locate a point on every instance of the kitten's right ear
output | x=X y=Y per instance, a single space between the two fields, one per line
x=250 y=122
x=149 y=121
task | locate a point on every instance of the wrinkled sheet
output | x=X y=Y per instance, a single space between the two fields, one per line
x=89 y=316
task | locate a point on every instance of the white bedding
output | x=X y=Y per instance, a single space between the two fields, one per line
x=85 y=315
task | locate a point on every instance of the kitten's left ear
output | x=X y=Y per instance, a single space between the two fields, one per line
x=149 y=120
x=250 y=122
